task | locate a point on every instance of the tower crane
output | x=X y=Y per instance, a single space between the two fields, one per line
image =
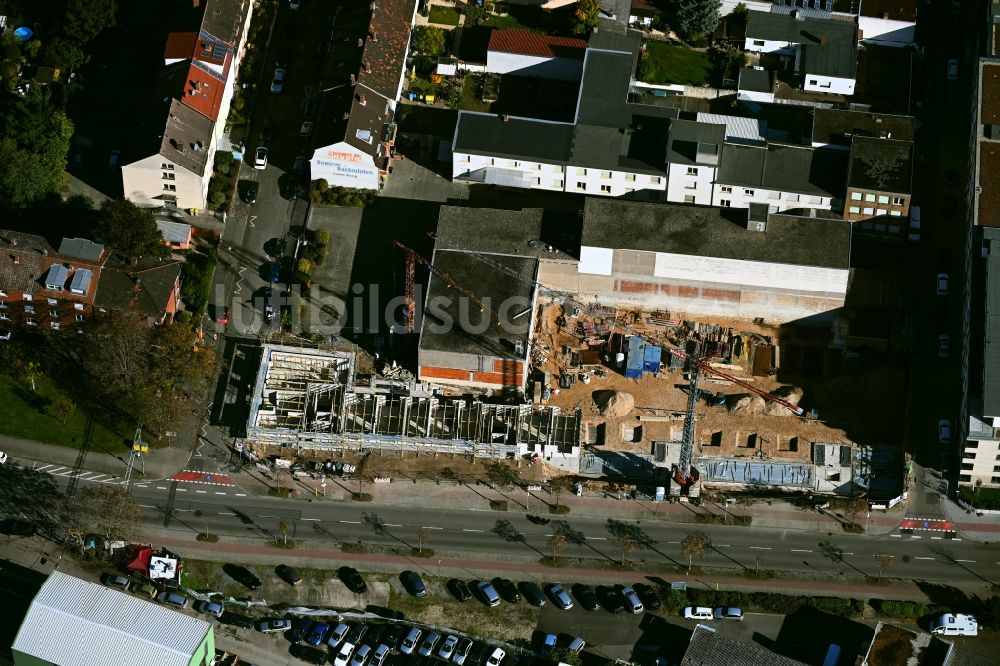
x=696 y=364
x=412 y=258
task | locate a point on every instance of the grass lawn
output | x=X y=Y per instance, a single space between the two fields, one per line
x=444 y=15
x=31 y=416
x=677 y=64
x=471 y=99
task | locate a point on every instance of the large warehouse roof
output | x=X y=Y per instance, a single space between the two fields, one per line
x=716 y=232
x=74 y=622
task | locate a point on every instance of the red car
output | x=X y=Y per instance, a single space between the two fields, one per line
x=222 y=315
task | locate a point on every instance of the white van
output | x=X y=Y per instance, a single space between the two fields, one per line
x=914 y=233
x=955 y=624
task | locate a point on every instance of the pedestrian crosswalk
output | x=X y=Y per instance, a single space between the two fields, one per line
x=81 y=475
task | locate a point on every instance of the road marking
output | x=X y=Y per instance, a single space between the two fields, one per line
x=56 y=469
x=42 y=467
x=800 y=550
x=674 y=542
x=392 y=525
x=769 y=548
x=465 y=530
x=99 y=477
x=202 y=492
x=596 y=538
x=924 y=558
x=241 y=494
x=936 y=538
x=968 y=561
x=898 y=536
x=219 y=493
x=429 y=527
x=310 y=519
x=224 y=513
x=847 y=553
x=721 y=545
x=148 y=506
x=350 y=522
x=182 y=490
x=161 y=487
x=138 y=485
x=916 y=537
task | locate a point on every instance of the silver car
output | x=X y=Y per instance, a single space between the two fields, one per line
x=448 y=647
x=430 y=642
x=632 y=600
x=462 y=651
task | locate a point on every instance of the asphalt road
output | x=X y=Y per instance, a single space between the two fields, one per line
x=184 y=510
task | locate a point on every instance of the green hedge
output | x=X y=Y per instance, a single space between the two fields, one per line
x=980 y=498
x=762 y=601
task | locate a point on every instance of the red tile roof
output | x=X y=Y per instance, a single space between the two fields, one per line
x=525 y=42
x=203 y=91
x=180 y=45
x=989 y=113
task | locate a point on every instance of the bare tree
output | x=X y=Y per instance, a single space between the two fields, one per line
x=501 y=474
x=626 y=546
x=885 y=561
x=572 y=535
x=375 y=522
x=692 y=548
x=63 y=406
x=284 y=527
x=110 y=511
x=559 y=485
x=556 y=543
x=423 y=536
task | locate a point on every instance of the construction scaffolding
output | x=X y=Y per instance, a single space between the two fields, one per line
x=307 y=399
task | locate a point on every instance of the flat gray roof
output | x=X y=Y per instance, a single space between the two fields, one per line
x=785 y=167
x=452 y=321
x=522 y=233
x=837 y=126
x=829 y=46
x=881 y=164
x=991 y=339
x=715 y=232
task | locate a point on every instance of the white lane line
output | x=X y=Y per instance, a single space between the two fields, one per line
x=933 y=538
x=182 y=490
x=224 y=513
x=847 y=553
x=718 y=545
x=924 y=558
x=218 y=493
x=312 y=520
x=897 y=536
x=148 y=506
x=39 y=469
x=202 y=492
x=136 y=485
x=465 y=530
x=674 y=542
x=596 y=538
x=392 y=525
x=430 y=527
x=968 y=561
x=956 y=539
x=916 y=537
x=241 y=494
x=350 y=522
x=161 y=487
x=800 y=550
x=98 y=477
x=56 y=469
x=760 y=547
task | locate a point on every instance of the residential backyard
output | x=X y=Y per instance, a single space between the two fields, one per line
x=444 y=15
x=665 y=63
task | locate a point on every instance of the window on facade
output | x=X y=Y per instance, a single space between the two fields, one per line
x=826 y=84
x=3 y=306
x=854 y=209
x=54 y=325
x=581 y=172
x=869 y=211
x=996 y=468
x=654 y=180
x=538 y=181
x=629 y=190
x=692 y=171
x=813 y=82
x=78 y=306
x=606 y=175
x=883 y=199
x=691 y=185
x=27 y=297
x=630 y=178
x=557 y=183
x=79 y=317
x=870 y=198
x=856 y=196
x=168 y=176
x=726 y=189
x=167 y=167
x=965 y=477
x=967 y=466
x=53 y=313
x=758 y=42
x=725 y=203
x=169 y=188
x=30 y=309
x=996 y=479
x=688 y=199
x=581 y=185
x=4 y=316
x=794 y=198
x=606 y=189
x=880 y=211
x=897 y=201
x=52 y=301
x=747 y=192
x=816 y=200
x=468 y=158
x=30 y=322
x=557 y=169
x=516 y=164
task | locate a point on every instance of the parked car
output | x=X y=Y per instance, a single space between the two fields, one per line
x=413 y=583
x=548 y=643
x=410 y=641
x=649 y=596
x=250 y=192
x=447 y=648
x=576 y=644
x=241 y=575
x=307 y=653
x=953 y=69
x=507 y=589
x=944 y=346
x=119 y=582
x=337 y=634
x=273 y=625
x=356 y=633
x=374 y=637
x=145 y=590
x=955 y=624
x=301 y=166
x=352 y=579
x=944 y=431
x=914 y=232
x=559 y=596
x=430 y=642
x=236 y=620
x=393 y=635
x=632 y=602
x=260 y=158
x=729 y=614
x=611 y=600
x=942 y=284
x=532 y=593
x=222 y=313
x=278 y=81
x=361 y=656
x=462 y=651
x=379 y=655
x=343 y=657
x=17 y=527
x=294 y=4
x=459 y=589
x=306 y=129
x=209 y=608
x=586 y=596
x=317 y=636
x=496 y=657
x=300 y=629
x=173 y=599
x=274 y=272
x=285 y=572
x=486 y=593
x=698 y=613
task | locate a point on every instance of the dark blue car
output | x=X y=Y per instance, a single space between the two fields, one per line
x=318 y=633
x=301 y=629
x=275 y=272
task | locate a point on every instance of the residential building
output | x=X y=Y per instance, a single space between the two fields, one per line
x=43 y=289
x=694 y=150
x=708 y=646
x=823 y=51
x=755 y=84
x=879 y=185
x=357 y=107
x=73 y=622
x=176 y=235
x=184 y=126
x=524 y=53
x=151 y=288
x=708 y=261
x=642 y=13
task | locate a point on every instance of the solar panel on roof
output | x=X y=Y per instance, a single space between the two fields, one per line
x=219 y=51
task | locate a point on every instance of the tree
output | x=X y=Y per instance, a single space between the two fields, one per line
x=692 y=548
x=63 y=407
x=740 y=11
x=131 y=231
x=696 y=17
x=31 y=371
x=429 y=40
x=884 y=562
x=116 y=357
x=110 y=511
x=506 y=531
x=556 y=543
x=586 y=16
x=501 y=474
x=423 y=536
x=559 y=485
x=198 y=513
x=563 y=655
x=284 y=526
x=565 y=530
x=34 y=144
